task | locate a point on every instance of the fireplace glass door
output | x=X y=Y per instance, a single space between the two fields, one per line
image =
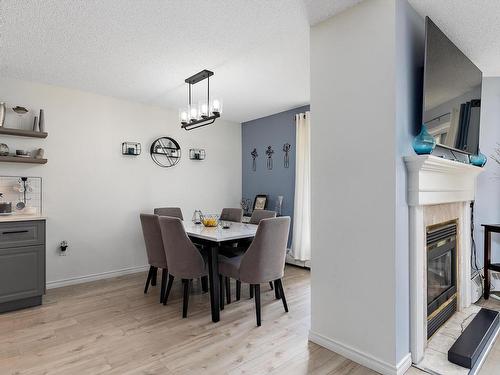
x=439 y=276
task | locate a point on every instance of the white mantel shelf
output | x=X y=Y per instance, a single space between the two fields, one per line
x=434 y=180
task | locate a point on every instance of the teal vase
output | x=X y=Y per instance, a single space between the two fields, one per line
x=424 y=143
x=478 y=160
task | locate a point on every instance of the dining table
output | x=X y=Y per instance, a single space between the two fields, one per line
x=213 y=238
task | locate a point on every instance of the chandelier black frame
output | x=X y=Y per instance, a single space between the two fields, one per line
x=205 y=120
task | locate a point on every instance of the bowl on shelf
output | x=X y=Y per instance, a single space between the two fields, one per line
x=210 y=220
x=29 y=210
x=4 y=149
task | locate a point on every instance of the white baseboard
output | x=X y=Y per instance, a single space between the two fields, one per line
x=360 y=357
x=94 y=277
x=300 y=263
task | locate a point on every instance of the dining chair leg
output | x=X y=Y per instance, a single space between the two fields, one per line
x=276 y=290
x=204 y=284
x=256 y=287
x=227 y=281
x=238 y=290
x=282 y=293
x=251 y=291
x=185 y=300
x=163 y=283
x=221 y=292
x=153 y=279
x=148 y=280
x=271 y=284
x=169 y=286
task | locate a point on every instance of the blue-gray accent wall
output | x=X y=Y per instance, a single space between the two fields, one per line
x=274 y=131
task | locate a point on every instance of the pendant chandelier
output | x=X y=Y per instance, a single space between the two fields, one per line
x=206 y=112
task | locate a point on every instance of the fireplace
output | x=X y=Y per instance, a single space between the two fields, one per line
x=439 y=190
x=441 y=274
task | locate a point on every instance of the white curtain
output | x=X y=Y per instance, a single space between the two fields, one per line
x=301 y=240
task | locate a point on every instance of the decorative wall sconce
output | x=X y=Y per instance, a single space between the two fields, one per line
x=165 y=152
x=254 y=159
x=197 y=154
x=269 y=153
x=131 y=148
x=286 y=158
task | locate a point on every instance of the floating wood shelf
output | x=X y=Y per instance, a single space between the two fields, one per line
x=22 y=133
x=16 y=159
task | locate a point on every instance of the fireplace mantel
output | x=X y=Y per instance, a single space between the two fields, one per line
x=433 y=181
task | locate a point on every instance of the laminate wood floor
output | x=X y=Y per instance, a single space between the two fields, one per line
x=111 y=327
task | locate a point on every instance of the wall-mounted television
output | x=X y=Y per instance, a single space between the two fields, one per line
x=452 y=94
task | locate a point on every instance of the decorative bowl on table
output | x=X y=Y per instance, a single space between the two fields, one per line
x=225 y=224
x=210 y=220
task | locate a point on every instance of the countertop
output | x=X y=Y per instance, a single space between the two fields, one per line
x=18 y=217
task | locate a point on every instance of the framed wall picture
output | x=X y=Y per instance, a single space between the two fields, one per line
x=260 y=202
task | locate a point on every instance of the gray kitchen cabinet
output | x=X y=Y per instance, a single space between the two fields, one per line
x=22 y=264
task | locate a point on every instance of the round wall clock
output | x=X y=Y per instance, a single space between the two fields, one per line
x=165 y=152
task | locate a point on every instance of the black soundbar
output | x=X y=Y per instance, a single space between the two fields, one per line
x=466 y=350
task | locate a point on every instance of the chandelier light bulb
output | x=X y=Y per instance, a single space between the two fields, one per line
x=183 y=116
x=204 y=110
x=216 y=106
x=193 y=113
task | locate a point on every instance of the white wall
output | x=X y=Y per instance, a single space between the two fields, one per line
x=487 y=204
x=93 y=195
x=364 y=75
x=353 y=179
x=410 y=35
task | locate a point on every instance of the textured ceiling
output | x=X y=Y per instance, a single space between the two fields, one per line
x=143 y=50
x=473 y=25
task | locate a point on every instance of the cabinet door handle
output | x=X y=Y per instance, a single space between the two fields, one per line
x=15 y=231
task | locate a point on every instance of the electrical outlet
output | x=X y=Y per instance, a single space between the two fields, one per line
x=63 y=247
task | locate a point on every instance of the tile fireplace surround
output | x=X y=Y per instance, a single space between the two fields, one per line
x=439 y=190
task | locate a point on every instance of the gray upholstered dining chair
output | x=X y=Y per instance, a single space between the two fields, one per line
x=177 y=212
x=231 y=214
x=155 y=251
x=258 y=215
x=184 y=259
x=235 y=215
x=169 y=211
x=263 y=262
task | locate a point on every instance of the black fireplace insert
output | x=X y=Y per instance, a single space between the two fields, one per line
x=441 y=274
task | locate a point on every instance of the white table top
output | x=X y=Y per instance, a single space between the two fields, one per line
x=217 y=234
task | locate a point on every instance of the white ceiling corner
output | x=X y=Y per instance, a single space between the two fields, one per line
x=320 y=10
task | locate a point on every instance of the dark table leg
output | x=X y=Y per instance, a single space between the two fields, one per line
x=487 y=262
x=213 y=275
